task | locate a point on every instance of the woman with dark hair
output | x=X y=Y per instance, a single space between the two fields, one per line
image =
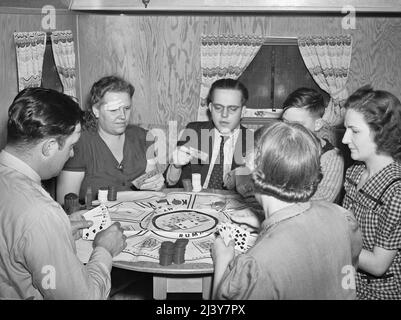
x=306 y=249
x=111 y=152
x=373 y=189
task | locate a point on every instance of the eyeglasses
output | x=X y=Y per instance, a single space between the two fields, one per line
x=219 y=108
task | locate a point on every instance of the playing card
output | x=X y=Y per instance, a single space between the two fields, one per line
x=242 y=238
x=198 y=154
x=101 y=220
x=225 y=231
x=138 y=182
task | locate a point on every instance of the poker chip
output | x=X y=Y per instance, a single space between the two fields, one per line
x=170 y=252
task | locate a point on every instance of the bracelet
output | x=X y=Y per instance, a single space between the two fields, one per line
x=179 y=167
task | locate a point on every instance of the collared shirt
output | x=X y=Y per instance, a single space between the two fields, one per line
x=377 y=208
x=304 y=251
x=38 y=253
x=332 y=166
x=229 y=147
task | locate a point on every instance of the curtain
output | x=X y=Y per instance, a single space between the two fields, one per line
x=30 y=49
x=224 y=56
x=328 y=60
x=64 y=58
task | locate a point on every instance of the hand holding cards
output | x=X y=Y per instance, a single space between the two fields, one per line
x=145 y=181
x=242 y=238
x=138 y=182
x=101 y=220
x=184 y=154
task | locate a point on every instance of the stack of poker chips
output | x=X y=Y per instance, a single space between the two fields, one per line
x=102 y=194
x=88 y=198
x=179 y=251
x=166 y=253
x=196 y=182
x=71 y=203
x=112 y=193
x=172 y=252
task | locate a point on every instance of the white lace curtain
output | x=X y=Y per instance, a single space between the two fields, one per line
x=30 y=49
x=64 y=58
x=328 y=60
x=224 y=56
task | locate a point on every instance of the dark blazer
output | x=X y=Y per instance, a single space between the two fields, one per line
x=199 y=135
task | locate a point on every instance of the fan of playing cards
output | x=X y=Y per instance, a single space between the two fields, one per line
x=101 y=220
x=243 y=238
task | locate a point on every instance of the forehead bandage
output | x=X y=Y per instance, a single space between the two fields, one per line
x=114 y=105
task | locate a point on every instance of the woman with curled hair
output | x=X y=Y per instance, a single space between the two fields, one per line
x=111 y=151
x=303 y=246
x=373 y=189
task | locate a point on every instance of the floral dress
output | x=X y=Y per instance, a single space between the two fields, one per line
x=377 y=208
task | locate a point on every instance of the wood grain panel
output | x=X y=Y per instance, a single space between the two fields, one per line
x=9 y=23
x=376 y=56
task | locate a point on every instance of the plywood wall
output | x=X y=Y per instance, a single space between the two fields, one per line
x=9 y=23
x=160 y=54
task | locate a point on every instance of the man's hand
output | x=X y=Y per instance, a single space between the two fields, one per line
x=154 y=183
x=112 y=239
x=78 y=223
x=181 y=156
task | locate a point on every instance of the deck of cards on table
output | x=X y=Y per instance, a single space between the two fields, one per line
x=101 y=220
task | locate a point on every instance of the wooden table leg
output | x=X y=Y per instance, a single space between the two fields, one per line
x=206 y=287
x=159 y=288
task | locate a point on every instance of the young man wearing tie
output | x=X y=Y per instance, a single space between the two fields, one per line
x=222 y=139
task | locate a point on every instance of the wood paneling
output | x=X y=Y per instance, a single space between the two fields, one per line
x=160 y=54
x=9 y=23
x=238 y=5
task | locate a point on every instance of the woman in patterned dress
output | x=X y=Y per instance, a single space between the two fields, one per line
x=373 y=189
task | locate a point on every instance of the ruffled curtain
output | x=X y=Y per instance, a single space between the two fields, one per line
x=224 y=56
x=328 y=60
x=30 y=49
x=64 y=58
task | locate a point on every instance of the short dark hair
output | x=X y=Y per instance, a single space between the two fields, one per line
x=306 y=98
x=228 y=83
x=108 y=84
x=38 y=113
x=382 y=112
x=287 y=162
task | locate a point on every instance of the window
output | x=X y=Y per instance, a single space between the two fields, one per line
x=276 y=71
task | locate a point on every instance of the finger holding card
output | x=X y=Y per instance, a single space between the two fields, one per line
x=198 y=154
x=101 y=220
x=222 y=251
x=241 y=237
x=139 y=181
x=181 y=156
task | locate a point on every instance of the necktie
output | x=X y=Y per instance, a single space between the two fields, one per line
x=216 y=177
